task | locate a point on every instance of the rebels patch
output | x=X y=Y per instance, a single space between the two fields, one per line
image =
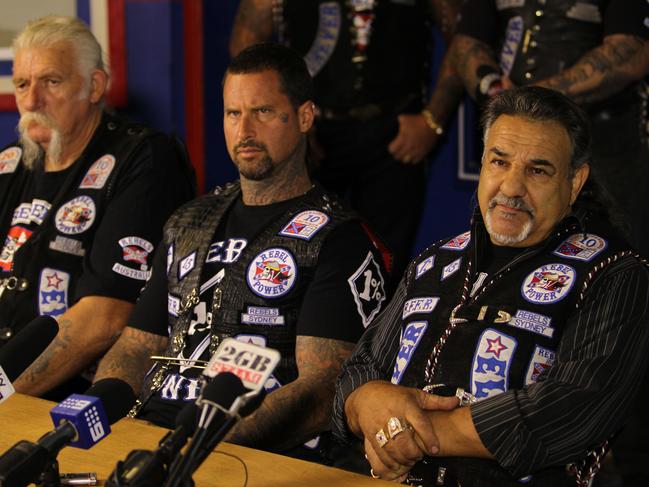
x=367 y=288
x=542 y=360
x=9 y=159
x=76 y=216
x=410 y=339
x=98 y=173
x=458 y=243
x=451 y=268
x=581 y=247
x=28 y=213
x=534 y=322
x=491 y=364
x=53 y=292
x=548 y=284
x=419 y=305
x=259 y=315
x=513 y=37
x=424 y=266
x=272 y=273
x=67 y=246
x=135 y=251
x=305 y=225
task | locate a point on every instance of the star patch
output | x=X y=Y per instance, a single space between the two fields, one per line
x=491 y=363
x=53 y=292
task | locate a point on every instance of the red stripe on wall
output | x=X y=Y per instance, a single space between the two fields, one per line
x=8 y=103
x=194 y=99
x=117 y=96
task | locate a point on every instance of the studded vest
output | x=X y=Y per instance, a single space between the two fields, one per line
x=191 y=230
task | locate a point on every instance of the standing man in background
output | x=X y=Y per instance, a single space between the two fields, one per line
x=83 y=197
x=370 y=60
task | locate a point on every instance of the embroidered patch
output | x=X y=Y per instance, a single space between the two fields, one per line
x=212 y=281
x=548 y=284
x=424 y=266
x=419 y=305
x=479 y=281
x=76 y=216
x=323 y=46
x=534 y=322
x=9 y=159
x=259 y=340
x=305 y=225
x=451 y=268
x=272 y=273
x=504 y=4
x=186 y=265
x=259 y=315
x=410 y=339
x=98 y=173
x=367 y=288
x=513 y=36
x=53 y=292
x=226 y=252
x=16 y=237
x=491 y=363
x=585 y=12
x=272 y=384
x=173 y=304
x=67 y=246
x=28 y=213
x=542 y=360
x=581 y=247
x=458 y=243
x=135 y=250
x=170 y=257
x=131 y=273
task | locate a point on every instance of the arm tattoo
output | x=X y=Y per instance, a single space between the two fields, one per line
x=604 y=70
x=445 y=13
x=129 y=359
x=467 y=54
x=297 y=411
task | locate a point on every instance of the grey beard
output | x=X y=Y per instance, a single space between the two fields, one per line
x=34 y=153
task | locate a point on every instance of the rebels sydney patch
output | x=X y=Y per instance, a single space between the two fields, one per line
x=542 y=359
x=581 y=247
x=259 y=315
x=9 y=159
x=98 y=173
x=410 y=339
x=419 y=305
x=367 y=288
x=491 y=364
x=53 y=292
x=67 y=246
x=534 y=322
x=305 y=225
x=272 y=273
x=424 y=266
x=548 y=284
x=76 y=216
x=458 y=243
x=451 y=268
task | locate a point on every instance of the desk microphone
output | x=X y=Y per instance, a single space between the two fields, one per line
x=80 y=421
x=19 y=352
x=239 y=371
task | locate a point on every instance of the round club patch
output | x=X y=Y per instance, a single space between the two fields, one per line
x=76 y=216
x=9 y=159
x=272 y=273
x=548 y=284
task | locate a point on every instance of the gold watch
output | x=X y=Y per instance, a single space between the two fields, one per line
x=431 y=122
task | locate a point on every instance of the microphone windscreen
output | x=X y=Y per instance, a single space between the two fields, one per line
x=223 y=389
x=116 y=396
x=27 y=345
x=188 y=418
x=253 y=404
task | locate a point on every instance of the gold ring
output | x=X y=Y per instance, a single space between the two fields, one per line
x=396 y=426
x=381 y=438
x=374 y=476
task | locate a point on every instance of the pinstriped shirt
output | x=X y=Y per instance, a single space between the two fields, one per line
x=601 y=359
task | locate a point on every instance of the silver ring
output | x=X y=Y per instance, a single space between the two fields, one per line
x=381 y=438
x=374 y=476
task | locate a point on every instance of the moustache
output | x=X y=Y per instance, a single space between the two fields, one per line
x=516 y=203
x=249 y=143
x=36 y=117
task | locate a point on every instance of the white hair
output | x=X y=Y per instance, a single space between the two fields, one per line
x=53 y=29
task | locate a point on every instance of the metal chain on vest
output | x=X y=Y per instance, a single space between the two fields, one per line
x=431 y=364
x=586 y=468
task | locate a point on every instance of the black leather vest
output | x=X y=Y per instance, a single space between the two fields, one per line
x=190 y=231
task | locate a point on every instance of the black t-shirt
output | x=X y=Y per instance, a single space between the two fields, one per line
x=329 y=309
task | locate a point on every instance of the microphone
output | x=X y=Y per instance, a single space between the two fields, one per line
x=239 y=371
x=146 y=468
x=23 y=349
x=116 y=395
x=80 y=421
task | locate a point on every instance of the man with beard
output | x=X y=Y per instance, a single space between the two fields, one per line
x=83 y=197
x=535 y=319
x=271 y=259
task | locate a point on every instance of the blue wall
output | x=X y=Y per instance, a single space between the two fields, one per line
x=156 y=96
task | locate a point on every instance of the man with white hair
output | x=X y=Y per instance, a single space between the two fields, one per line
x=83 y=197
